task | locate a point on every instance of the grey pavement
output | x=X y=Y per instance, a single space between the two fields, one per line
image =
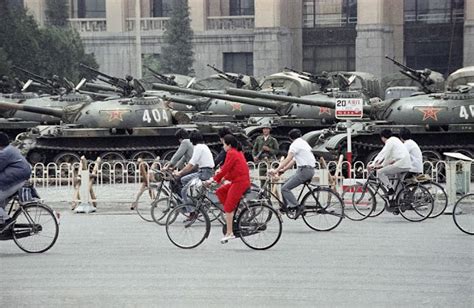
x=113 y=258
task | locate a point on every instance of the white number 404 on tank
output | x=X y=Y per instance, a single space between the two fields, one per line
x=155 y=114
x=465 y=113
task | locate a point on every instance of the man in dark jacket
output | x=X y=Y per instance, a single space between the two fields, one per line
x=14 y=171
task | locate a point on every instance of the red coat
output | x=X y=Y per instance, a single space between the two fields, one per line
x=235 y=168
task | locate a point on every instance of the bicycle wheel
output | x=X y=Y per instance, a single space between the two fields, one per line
x=440 y=198
x=259 y=226
x=324 y=209
x=186 y=230
x=36 y=228
x=415 y=202
x=160 y=208
x=359 y=202
x=144 y=204
x=463 y=214
x=379 y=206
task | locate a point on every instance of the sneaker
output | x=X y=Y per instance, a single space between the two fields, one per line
x=226 y=238
x=7 y=224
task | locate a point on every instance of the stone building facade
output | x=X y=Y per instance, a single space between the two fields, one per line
x=261 y=37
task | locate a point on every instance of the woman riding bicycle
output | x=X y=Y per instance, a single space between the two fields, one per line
x=236 y=171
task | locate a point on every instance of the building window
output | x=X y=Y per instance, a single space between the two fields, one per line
x=433 y=11
x=241 y=7
x=161 y=8
x=91 y=8
x=329 y=13
x=239 y=63
x=329 y=58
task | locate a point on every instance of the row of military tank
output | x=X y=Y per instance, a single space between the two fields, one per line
x=121 y=119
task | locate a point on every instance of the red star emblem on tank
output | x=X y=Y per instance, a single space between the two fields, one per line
x=324 y=110
x=236 y=106
x=116 y=115
x=430 y=113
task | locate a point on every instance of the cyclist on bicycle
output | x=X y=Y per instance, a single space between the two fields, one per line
x=299 y=153
x=392 y=160
x=202 y=158
x=236 y=171
x=414 y=150
x=184 y=152
x=14 y=171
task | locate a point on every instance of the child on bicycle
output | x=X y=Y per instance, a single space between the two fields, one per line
x=236 y=171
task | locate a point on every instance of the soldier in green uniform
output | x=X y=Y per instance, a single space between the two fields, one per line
x=265 y=150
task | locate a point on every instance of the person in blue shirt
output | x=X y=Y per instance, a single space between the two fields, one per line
x=14 y=171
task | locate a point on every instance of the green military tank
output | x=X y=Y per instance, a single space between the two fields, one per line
x=115 y=129
x=439 y=122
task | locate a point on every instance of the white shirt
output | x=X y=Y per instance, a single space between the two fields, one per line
x=394 y=150
x=202 y=156
x=415 y=156
x=302 y=153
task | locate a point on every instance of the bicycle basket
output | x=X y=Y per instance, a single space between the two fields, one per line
x=195 y=188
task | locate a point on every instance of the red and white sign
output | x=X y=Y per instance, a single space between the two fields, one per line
x=349 y=108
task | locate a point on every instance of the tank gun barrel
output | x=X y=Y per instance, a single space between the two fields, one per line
x=422 y=77
x=34 y=109
x=244 y=100
x=328 y=102
x=182 y=100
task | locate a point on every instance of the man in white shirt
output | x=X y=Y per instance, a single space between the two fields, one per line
x=202 y=157
x=415 y=153
x=392 y=160
x=299 y=153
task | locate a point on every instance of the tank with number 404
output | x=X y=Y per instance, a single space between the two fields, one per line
x=116 y=129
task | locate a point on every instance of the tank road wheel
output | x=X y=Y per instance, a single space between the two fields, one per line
x=112 y=171
x=145 y=155
x=371 y=157
x=66 y=157
x=284 y=146
x=167 y=155
x=35 y=157
x=433 y=157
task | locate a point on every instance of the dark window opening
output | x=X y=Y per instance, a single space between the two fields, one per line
x=91 y=8
x=433 y=11
x=241 y=7
x=329 y=13
x=161 y=8
x=329 y=58
x=239 y=63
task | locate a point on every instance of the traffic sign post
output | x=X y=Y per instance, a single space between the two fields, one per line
x=349 y=109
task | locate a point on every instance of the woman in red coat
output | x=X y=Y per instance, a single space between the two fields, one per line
x=236 y=171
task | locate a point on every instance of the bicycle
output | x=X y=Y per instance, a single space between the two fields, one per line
x=463 y=214
x=413 y=201
x=256 y=223
x=36 y=226
x=321 y=205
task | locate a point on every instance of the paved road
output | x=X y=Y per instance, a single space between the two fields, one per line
x=114 y=258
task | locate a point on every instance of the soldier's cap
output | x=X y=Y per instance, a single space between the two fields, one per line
x=267 y=125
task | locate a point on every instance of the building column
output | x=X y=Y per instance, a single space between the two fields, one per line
x=379 y=33
x=278 y=36
x=468 y=57
x=198 y=15
x=37 y=8
x=115 y=14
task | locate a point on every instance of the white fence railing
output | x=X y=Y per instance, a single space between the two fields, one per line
x=119 y=181
x=89 y=24
x=148 y=24
x=230 y=22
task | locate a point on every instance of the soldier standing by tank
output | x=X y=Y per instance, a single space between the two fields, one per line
x=264 y=151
